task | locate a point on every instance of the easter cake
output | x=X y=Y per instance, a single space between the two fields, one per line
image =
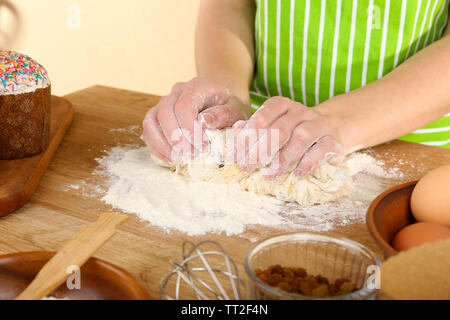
x=25 y=93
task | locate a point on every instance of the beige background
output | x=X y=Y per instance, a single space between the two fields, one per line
x=142 y=45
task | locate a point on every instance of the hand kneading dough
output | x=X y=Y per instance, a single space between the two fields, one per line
x=326 y=183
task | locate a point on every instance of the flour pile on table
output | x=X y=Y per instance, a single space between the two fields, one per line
x=136 y=184
x=165 y=199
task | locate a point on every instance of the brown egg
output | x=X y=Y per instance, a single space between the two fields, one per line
x=430 y=200
x=419 y=233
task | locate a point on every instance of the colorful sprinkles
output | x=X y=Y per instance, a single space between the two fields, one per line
x=20 y=74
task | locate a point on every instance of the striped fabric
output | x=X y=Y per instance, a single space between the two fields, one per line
x=312 y=50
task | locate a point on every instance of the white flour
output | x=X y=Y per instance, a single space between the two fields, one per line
x=163 y=198
x=135 y=184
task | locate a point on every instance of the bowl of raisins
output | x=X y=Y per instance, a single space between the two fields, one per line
x=311 y=266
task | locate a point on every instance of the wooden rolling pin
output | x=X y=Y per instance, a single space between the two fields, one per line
x=76 y=252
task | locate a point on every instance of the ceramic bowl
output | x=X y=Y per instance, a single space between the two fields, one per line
x=388 y=214
x=100 y=280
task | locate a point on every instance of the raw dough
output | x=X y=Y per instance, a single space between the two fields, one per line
x=326 y=183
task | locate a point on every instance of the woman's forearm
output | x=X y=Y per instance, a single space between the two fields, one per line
x=411 y=96
x=224 y=46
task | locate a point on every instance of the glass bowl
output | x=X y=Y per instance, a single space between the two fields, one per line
x=330 y=257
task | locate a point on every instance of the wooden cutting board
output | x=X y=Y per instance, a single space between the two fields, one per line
x=19 y=178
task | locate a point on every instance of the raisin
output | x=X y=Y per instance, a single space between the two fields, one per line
x=322 y=280
x=332 y=289
x=300 y=272
x=274 y=279
x=306 y=288
x=348 y=287
x=320 y=292
x=339 y=282
x=285 y=286
x=312 y=280
x=277 y=269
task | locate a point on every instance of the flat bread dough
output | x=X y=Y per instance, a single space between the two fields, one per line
x=326 y=183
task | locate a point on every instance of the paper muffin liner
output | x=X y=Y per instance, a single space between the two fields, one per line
x=24 y=124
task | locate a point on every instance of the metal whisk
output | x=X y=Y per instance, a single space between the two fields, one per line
x=195 y=263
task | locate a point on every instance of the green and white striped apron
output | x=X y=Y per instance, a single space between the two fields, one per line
x=312 y=50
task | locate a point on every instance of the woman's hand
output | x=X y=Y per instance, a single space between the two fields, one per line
x=285 y=135
x=174 y=128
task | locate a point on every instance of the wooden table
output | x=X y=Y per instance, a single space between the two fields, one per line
x=55 y=214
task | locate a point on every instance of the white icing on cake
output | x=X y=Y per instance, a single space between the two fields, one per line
x=20 y=74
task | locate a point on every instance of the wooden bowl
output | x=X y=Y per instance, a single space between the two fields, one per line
x=100 y=280
x=388 y=213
